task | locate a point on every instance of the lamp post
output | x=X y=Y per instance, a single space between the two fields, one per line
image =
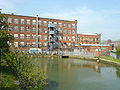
x=37 y=32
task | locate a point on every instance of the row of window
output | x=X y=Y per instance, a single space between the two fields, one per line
x=28 y=29
x=33 y=22
x=44 y=44
x=87 y=39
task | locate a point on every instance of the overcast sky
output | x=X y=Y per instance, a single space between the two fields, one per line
x=94 y=16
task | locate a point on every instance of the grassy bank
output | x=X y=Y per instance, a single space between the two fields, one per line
x=109 y=58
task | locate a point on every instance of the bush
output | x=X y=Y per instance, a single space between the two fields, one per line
x=30 y=77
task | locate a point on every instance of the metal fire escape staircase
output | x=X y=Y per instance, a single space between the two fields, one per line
x=53 y=43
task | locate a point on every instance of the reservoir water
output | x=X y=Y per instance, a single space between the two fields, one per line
x=76 y=74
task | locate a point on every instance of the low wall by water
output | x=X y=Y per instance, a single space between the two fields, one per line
x=115 y=55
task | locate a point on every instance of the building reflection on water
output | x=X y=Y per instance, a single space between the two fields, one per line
x=66 y=65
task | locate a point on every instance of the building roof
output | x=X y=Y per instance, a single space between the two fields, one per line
x=95 y=45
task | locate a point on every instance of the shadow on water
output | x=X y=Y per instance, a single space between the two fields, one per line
x=52 y=85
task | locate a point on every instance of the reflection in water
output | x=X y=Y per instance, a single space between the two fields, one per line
x=76 y=74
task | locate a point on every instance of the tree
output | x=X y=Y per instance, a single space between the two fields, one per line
x=118 y=50
x=5 y=38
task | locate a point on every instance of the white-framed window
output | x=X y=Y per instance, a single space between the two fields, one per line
x=22 y=21
x=33 y=29
x=16 y=28
x=33 y=44
x=64 y=32
x=45 y=23
x=34 y=37
x=16 y=44
x=9 y=20
x=27 y=36
x=28 y=21
x=9 y=28
x=69 y=25
x=39 y=30
x=28 y=29
x=22 y=29
x=16 y=21
x=33 y=22
x=28 y=44
x=39 y=37
x=60 y=38
x=39 y=22
x=73 y=38
x=64 y=37
x=45 y=30
x=16 y=36
x=65 y=25
x=73 y=25
x=73 y=31
x=60 y=24
x=45 y=44
x=21 y=36
x=22 y=43
x=69 y=38
x=69 y=31
x=45 y=37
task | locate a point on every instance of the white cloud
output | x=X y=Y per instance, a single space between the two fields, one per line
x=92 y=21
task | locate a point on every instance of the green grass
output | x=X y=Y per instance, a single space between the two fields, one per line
x=109 y=58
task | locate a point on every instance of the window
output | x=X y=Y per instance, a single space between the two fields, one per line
x=34 y=37
x=73 y=31
x=45 y=30
x=60 y=24
x=27 y=36
x=73 y=38
x=21 y=36
x=39 y=30
x=45 y=23
x=45 y=37
x=64 y=32
x=15 y=44
x=22 y=21
x=16 y=21
x=65 y=25
x=55 y=23
x=69 y=31
x=33 y=44
x=22 y=43
x=34 y=22
x=28 y=44
x=64 y=38
x=39 y=37
x=73 y=25
x=10 y=28
x=39 y=22
x=28 y=21
x=16 y=36
x=16 y=28
x=28 y=29
x=69 y=25
x=9 y=20
x=45 y=44
x=22 y=29
x=60 y=38
x=69 y=39
x=33 y=29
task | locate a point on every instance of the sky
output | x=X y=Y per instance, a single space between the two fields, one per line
x=93 y=16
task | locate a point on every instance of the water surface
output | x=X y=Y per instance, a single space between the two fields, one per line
x=76 y=74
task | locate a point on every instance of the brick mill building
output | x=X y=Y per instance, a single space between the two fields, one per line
x=26 y=29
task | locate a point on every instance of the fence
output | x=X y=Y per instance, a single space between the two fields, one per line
x=85 y=54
